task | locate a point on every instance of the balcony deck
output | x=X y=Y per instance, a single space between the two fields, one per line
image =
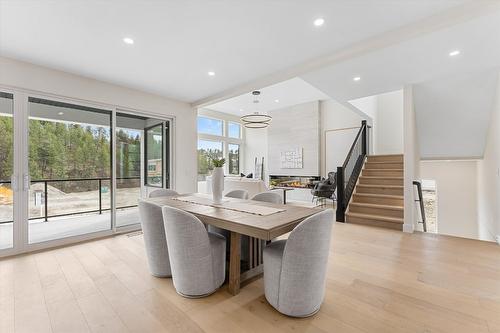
x=67 y=226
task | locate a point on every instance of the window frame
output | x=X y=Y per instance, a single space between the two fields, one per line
x=226 y=140
x=224 y=130
x=146 y=165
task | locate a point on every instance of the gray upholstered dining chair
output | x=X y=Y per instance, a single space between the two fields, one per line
x=197 y=257
x=295 y=269
x=271 y=197
x=239 y=194
x=163 y=192
x=154 y=239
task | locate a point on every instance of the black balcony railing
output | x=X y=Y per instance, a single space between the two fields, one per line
x=100 y=209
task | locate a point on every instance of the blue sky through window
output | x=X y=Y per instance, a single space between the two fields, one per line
x=233 y=130
x=210 y=126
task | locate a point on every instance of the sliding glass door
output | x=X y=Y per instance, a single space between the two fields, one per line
x=142 y=162
x=71 y=171
x=69 y=168
x=6 y=170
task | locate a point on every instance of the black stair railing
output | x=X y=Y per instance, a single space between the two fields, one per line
x=348 y=173
x=420 y=200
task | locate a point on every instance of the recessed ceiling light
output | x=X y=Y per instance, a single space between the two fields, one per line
x=356 y=78
x=60 y=113
x=211 y=73
x=128 y=40
x=277 y=100
x=454 y=53
x=241 y=110
x=319 y=22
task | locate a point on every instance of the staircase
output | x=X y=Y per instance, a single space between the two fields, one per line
x=378 y=196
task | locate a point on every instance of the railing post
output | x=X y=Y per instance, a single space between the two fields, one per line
x=340 y=195
x=364 y=137
x=46 y=200
x=100 y=196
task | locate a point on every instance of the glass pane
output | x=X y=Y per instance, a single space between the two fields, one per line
x=6 y=167
x=70 y=168
x=210 y=126
x=234 y=159
x=129 y=135
x=154 y=156
x=233 y=130
x=207 y=149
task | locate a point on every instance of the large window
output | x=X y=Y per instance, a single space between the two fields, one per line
x=233 y=130
x=210 y=126
x=218 y=138
x=234 y=159
x=206 y=151
x=6 y=170
x=154 y=156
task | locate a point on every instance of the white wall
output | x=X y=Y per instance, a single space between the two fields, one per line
x=456 y=188
x=21 y=75
x=411 y=159
x=385 y=111
x=295 y=127
x=389 y=123
x=256 y=145
x=334 y=117
x=489 y=178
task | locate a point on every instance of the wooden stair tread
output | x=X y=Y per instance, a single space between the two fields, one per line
x=384 y=155
x=388 y=196
x=383 y=162
x=369 y=205
x=381 y=177
x=380 y=185
x=400 y=169
x=376 y=217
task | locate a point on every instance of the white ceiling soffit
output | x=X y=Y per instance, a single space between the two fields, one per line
x=178 y=42
x=417 y=60
x=453 y=115
x=280 y=95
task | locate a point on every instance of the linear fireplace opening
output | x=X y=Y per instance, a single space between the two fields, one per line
x=293 y=181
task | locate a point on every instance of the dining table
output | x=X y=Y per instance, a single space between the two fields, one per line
x=261 y=221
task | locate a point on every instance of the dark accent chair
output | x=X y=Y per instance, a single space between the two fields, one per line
x=325 y=189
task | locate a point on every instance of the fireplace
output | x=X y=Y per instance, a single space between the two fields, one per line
x=293 y=181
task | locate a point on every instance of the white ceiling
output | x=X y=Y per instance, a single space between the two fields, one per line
x=178 y=42
x=414 y=61
x=453 y=115
x=453 y=95
x=291 y=92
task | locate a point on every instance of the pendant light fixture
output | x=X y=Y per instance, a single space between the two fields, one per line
x=256 y=119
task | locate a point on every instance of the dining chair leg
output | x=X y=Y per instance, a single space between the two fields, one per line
x=234 y=263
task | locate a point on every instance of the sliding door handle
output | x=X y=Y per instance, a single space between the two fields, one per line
x=13 y=183
x=26 y=182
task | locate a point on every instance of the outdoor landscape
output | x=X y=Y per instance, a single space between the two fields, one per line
x=67 y=154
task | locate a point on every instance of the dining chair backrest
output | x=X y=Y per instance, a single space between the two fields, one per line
x=163 y=192
x=271 y=197
x=154 y=238
x=189 y=251
x=304 y=262
x=239 y=194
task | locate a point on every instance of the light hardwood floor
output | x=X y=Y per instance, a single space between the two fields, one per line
x=379 y=280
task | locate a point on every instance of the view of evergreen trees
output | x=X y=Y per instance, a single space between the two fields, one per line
x=204 y=161
x=6 y=151
x=60 y=150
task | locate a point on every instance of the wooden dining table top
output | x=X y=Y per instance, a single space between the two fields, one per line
x=264 y=227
